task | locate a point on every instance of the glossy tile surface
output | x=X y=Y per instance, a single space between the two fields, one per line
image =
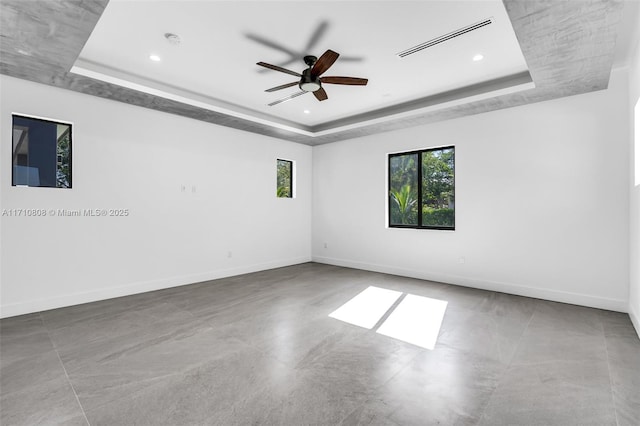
x=262 y=349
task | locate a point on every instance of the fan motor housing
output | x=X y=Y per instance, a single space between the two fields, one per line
x=309 y=83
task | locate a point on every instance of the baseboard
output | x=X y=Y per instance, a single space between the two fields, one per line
x=39 y=305
x=635 y=319
x=538 y=293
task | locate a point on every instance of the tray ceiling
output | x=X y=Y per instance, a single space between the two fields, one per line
x=532 y=51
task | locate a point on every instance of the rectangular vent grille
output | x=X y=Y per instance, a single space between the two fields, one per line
x=443 y=38
x=288 y=98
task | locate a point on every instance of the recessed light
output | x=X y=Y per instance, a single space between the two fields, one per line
x=306 y=111
x=478 y=57
x=172 y=38
x=154 y=58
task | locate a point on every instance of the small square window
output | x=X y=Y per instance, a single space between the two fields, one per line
x=41 y=154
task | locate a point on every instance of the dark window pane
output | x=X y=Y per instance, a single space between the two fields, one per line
x=284 y=179
x=41 y=153
x=438 y=191
x=403 y=189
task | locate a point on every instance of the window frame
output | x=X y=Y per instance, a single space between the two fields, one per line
x=419 y=152
x=46 y=120
x=278 y=160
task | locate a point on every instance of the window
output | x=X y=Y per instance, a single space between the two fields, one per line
x=284 y=180
x=41 y=153
x=422 y=189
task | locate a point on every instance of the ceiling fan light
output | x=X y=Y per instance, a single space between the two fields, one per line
x=310 y=86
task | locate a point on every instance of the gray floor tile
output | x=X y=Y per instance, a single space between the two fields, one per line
x=446 y=386
x=34 y=390
x=22 y=335
x=228 y=390
x=624 y=365
x=570 y=319
x=617 y=324
x=359 y=363
x=540 y=343
x=261 y=349
x=309 y=402
x=495 y=336
x=553 y=393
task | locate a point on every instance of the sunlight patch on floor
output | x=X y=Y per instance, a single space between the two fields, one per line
x=416 y=319
x=366 y=309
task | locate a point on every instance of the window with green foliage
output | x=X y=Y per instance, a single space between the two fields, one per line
x=422 y=189
x=284 y=181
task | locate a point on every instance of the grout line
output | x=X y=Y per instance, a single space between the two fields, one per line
x=524 y=330
x=64 y=369
x=613 y=398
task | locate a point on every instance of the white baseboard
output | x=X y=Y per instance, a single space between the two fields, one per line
x=538 y=293
x=635 y=319
x=38 y=305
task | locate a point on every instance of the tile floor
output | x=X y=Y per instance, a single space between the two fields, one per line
x=260 y=349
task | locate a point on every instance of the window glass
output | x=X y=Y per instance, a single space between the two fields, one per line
x=403 y=190
x=438 y=201
x=422 y=189
x=284 y=180
x=41 y=154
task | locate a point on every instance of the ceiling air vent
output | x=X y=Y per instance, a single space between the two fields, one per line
x=444 y=38
x=288 y=98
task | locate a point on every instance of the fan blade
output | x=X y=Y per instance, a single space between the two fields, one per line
x=320 y=94
x=316 y=36
x=287 y=98
x=324 y=62
x=277 y=68
x=351 y=81
x=271 y=44
x=284 y=86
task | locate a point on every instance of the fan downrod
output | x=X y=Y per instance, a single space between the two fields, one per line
x=310 y=60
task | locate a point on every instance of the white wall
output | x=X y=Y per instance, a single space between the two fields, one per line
x=542 y=201
x=138 y=159
x=634 y=185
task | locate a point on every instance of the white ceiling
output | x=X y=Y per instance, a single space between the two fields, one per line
x=214 y=66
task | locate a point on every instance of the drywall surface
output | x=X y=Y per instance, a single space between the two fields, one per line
x=200 y=198
x=542 y=205
x=634 y=184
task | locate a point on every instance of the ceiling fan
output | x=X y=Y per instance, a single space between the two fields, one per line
x=310 y=80
x=295 y=54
